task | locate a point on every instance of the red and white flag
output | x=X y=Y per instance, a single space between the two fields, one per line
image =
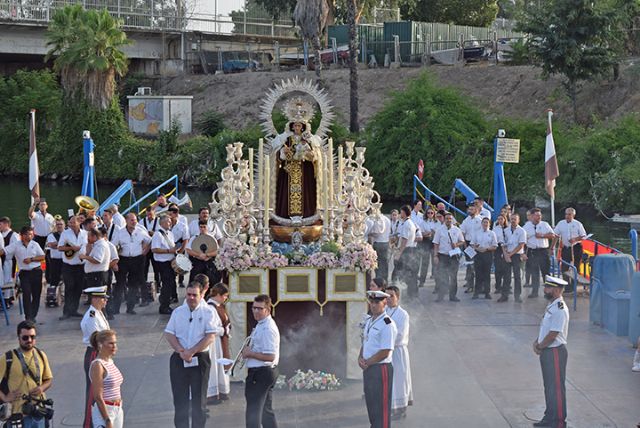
x=551 y=171
x=34 y=170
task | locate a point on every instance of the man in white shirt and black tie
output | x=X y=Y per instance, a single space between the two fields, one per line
x=539 y=233
x=262 y=355
x=164 y=251
x=571 y=233
x=70 y=243
x=447 y=244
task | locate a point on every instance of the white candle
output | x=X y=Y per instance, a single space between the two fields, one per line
x=325 y=178
x=340 y=167
x=251 y=169
x=267 y=185
x=260 y=167
x=330 y=167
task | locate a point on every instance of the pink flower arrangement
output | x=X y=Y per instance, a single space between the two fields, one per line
x=310 y=380
x=360 y=257
x=323 y=260
x=266 y=259
x=235 y=255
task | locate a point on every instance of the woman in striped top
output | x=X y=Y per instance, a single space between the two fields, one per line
x=105 y=382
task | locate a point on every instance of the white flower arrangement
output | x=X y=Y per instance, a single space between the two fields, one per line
x=323 y=260
x=361 y=257
x=235 y=255
x=310 y=380
x=266 y=259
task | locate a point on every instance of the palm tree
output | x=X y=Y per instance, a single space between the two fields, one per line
x=352 y=19
x=87 y=45
x=311 y=16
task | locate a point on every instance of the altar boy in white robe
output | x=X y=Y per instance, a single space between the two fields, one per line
x=402 y=392
x=219 y=387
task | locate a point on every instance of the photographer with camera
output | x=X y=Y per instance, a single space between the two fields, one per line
x=26 y=375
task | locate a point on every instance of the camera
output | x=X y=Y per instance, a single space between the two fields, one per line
x=38 y=408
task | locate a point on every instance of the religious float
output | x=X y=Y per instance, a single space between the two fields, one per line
x=293 y=217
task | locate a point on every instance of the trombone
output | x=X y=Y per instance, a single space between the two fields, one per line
x=238 y=362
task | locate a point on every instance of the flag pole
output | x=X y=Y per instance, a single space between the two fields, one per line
x=34 y=169
x=550 y=155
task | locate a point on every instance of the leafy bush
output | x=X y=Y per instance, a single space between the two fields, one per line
x=211 y=123
x=519 y=55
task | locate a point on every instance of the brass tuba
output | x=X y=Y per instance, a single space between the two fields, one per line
x=86 y=203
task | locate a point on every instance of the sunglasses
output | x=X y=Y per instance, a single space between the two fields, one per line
x=27 y=337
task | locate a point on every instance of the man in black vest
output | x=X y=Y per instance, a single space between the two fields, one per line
x=8 y=264
x=54 y=266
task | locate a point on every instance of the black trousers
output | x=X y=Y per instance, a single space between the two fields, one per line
x=257 y=392
x=513 y=269
x=382 y=250
x=130 y=277
x=448 y=271
x=31 y=285
x=572 y=255
x=482 y=266
x=501 y=268
x=168 y=278
x=148 y=261
x=54 y=268
x=42 y=241
x=378 y=382
x=189 y=388
x=553 y=362
x=407 y=270
x=73 y=276
x=96 y=279
x=208 y=268
x=89 y=355
x=425 y=254
x=540 y=264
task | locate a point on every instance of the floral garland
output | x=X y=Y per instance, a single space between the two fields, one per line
x=310 y=380
x=235 y=255
x=266 y=259
x=323 y=260
x=359 y=256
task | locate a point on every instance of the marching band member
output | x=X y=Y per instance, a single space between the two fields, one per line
x=446 y=244
x=71 y=241
x=110 y=227
x=41 y=221
x=8 y=263
x=118 y=218
x=375 y=360
x=96 y=257
x=571 y=233
x=164 y=251
x=151 y=223
x=219 y=386
x=134 y=243
x=180 y=231
x=212 y=227
x=55 y=256
x=402 y=392
x=202 y=262
x=484 y=243
x=379 y=234
x=404 y=257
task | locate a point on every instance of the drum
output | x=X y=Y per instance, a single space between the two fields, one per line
x=181 y=264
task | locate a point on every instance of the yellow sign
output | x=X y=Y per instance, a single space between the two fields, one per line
x=508 y=150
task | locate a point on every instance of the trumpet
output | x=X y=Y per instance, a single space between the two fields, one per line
x=239 y=361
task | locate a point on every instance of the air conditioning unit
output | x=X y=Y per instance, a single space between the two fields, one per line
x=143 y=90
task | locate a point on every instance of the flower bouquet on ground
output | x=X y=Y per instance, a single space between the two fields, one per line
x=267 y=259
x=361 y=257
x=313 y=381
x=235 y=255
x=281 y=382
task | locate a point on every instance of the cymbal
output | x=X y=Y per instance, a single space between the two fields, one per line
x=204 y=244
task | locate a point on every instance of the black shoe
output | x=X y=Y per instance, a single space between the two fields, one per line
x=223 y=397
x=213 y=401
x=517 y=299
x=487 y=296
x=454 y=299
x=502 y=299
x=474 y=297
x=469 y=290
x=181 y=285
x=131 y=311
x=165 y=311
x=542 y=423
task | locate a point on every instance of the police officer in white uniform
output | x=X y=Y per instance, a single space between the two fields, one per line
x=375 y=359
x=446 y=246
x=551 y=347
x=263 y=356
x=93 y=320
x=538 y=248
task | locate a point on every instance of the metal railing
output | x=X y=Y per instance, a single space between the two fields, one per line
x=557 y=271
x=153 y=193
x=428 y=193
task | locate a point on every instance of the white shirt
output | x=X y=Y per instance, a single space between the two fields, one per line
x=501 y=234
x=212 y=228
x=265 y=339
x=118 y=220
x=401 y=318
x=395 y=227
x=515 y=238
x=101 y=253
x=93 y=320
x=382 y=230
x=570 y=230
x=556 y=318
x=407 y=230
x=69 y=237
x=484 y=213
x=532 y=242
x=379 y=333
x=470 y=226
x=112 y=232
x=131 y=244
x=15 y=236
x=447 y=238
x=53 y=253
x=20 y=252
x=113 y=252
x=188 y=326
x=180 y=232
x=151 y=226
x=163 y=240
x=416 y=216
x=42 y=224
x=485 y=239
x=428 y=227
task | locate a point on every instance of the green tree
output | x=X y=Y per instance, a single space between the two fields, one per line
x=574 y=38
x=87 y=50
x=479 y=13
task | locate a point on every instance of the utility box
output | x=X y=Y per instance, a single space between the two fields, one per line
x=150 y=114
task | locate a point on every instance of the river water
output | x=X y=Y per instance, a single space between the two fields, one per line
x=60 y=195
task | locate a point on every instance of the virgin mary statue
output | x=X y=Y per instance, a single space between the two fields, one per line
x=298 y=160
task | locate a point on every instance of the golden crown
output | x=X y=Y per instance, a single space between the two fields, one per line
x=298 y=110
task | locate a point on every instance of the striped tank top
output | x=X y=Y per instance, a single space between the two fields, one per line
x=111 y=382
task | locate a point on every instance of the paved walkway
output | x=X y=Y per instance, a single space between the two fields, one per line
x=472 y=367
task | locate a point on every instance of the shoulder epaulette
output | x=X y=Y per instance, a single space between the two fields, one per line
x=560 y=305
x=387 y=320
x=92 y=313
